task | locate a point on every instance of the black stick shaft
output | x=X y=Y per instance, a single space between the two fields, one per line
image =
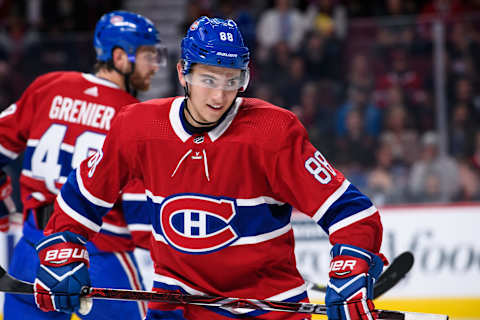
x=12 y=285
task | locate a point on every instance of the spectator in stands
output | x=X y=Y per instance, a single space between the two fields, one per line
x=264 y=91
x=461 y=130
x=475 y=158
x=238 y=11
x=387 y=181
x=312 y=112
x=469 y=182
x=273 y=64
x=446 y=8
x=464 y=94
x=327 y=17
x=356 y=147
x=462 y=49
x=400 y=73
x=6 y=87
x=403 y=140
x=360 y=72
x=396 y=28
x=291 y=83
x=359 y=98
x=433 y=177
x=194 y=9
x=14 y=39
x=322 y=56
x=283 y=22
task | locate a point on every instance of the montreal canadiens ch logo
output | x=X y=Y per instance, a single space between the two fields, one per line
x=197 y=224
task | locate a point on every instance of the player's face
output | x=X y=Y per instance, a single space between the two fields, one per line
x=145 y=67
x=212 y=91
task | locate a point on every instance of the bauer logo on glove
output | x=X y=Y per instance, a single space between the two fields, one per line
x=342 y=266
x=60 y=254
x=353 y=271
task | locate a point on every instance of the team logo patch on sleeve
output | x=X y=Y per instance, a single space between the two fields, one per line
x=198 y=224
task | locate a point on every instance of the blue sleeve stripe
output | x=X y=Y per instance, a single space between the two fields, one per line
x=77 y=216
x=77 y=206
x=96 y=201
x=4 y=160
x=122 y=235
x=115 y=229
x=350 y=203
x=352 y=219
x=328 y=203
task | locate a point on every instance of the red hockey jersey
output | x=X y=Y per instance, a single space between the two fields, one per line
x=220 y=203
x=61 y=119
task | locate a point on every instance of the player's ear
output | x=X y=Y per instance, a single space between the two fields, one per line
x=181 y=77
x=120 y=59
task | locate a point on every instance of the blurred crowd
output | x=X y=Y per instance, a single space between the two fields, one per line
x=358 y=74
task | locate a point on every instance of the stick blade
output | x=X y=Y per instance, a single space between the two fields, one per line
x=400 y=266
x=2 y=271
x=12 y=285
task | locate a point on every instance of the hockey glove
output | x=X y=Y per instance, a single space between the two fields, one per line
x=62 y=273
x=5 y=192
x=353 y=271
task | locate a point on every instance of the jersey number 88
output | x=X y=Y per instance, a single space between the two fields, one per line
x=319 y=167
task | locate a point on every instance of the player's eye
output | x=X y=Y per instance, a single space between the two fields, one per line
x=233 y=83
x=208 y=82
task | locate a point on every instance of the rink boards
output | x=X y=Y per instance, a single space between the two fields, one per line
x=443 y=238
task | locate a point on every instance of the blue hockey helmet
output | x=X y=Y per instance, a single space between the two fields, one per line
x=215 y=42
x=125 y=30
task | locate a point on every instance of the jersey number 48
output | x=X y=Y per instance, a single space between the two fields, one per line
x=51 y=153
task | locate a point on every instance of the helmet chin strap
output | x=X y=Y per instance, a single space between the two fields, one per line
x=187 y=95
x=126 y=77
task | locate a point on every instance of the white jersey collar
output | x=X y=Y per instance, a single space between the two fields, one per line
x=214 y=134
x=93 y=78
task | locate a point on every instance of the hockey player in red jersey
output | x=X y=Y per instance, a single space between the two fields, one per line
x=221 y=176
x=62 y=118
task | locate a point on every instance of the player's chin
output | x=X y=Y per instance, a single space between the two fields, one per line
x=213 y=116
x=141 y=83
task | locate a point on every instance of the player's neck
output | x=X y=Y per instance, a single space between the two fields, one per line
x=112 y=76
x=194 y=122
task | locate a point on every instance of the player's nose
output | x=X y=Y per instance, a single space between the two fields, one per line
x=218 y=95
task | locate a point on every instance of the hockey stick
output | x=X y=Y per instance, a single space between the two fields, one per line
x=399 y=268
x=395 y=272
x=12 y=285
